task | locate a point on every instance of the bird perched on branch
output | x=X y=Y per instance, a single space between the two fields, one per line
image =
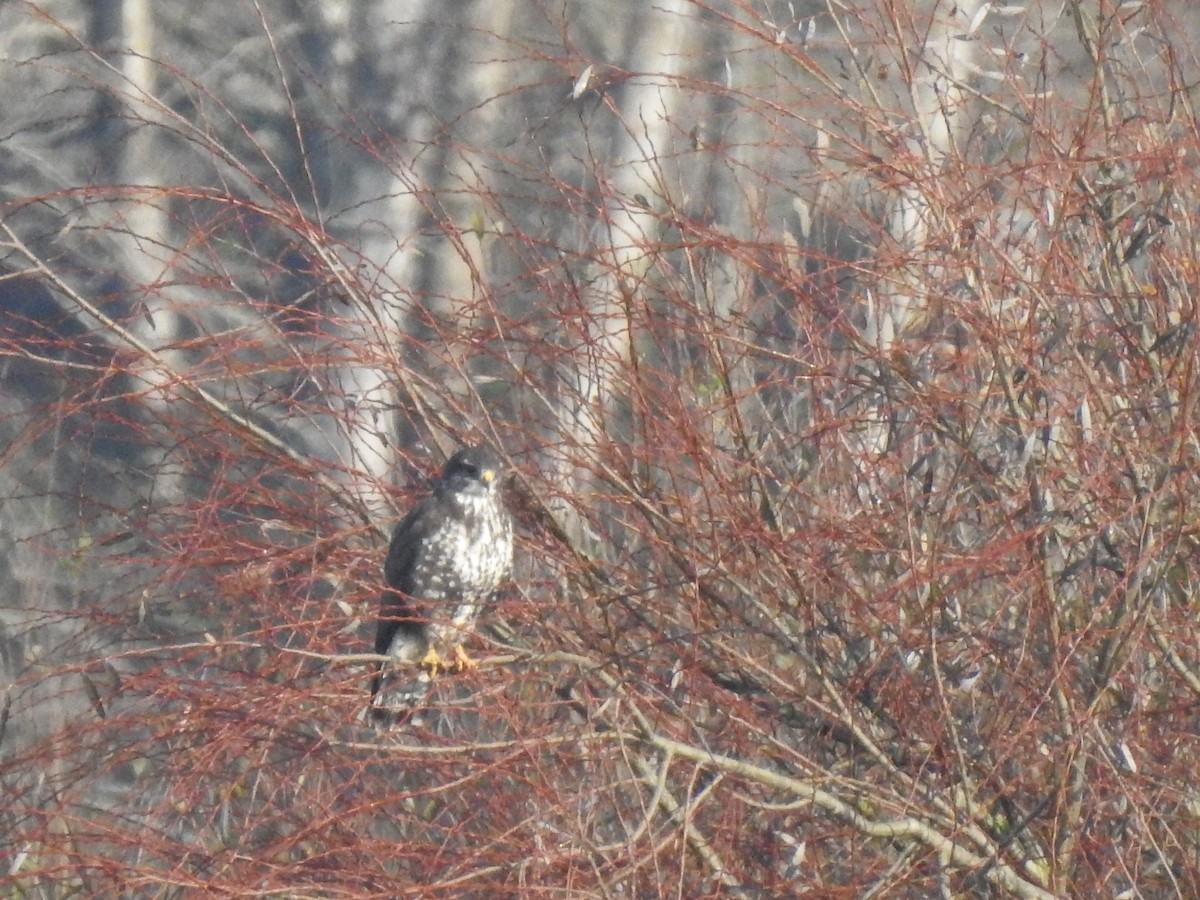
x=445 y=560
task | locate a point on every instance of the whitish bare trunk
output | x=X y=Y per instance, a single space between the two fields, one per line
x=627 y=234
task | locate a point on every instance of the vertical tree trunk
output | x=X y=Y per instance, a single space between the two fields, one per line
x=939 y=116
x=627 y=234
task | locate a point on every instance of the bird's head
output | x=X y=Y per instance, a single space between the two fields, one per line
x=472 y=472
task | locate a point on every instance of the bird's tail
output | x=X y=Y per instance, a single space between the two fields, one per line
x=396 y=699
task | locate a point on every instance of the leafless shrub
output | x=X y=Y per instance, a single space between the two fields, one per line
x=845 y=358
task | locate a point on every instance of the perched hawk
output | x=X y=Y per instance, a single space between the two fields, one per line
x=446 y=558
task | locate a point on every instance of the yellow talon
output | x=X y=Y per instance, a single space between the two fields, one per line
x=433 y=663
x=462 y=661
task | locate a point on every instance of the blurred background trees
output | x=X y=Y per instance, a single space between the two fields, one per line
x=844 y=354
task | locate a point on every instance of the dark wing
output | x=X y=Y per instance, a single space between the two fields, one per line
x=398 y=573
x=400 y=567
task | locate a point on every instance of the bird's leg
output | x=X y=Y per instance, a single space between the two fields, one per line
x=463 y=662
x=432 y=663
